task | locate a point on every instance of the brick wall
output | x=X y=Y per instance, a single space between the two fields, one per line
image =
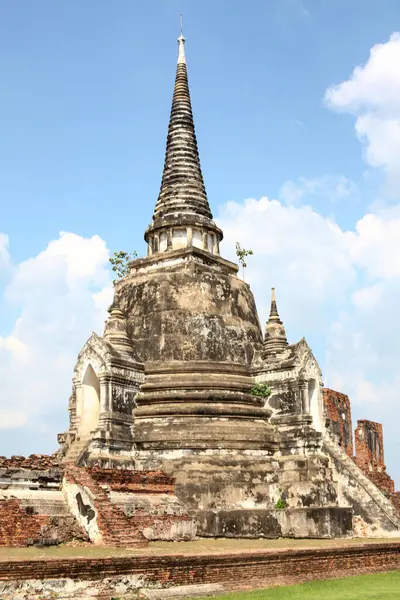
x=235 y=571
x=21 y=526
x=139 y=482
x=395 y=498
x=17 y=526
x=370 y=454
x=34 y=462
x=116 y=528
x=338 y=410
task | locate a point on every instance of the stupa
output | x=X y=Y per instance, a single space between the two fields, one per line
x=184 y=381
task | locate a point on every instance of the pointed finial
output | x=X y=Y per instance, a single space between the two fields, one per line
x=274 y=309
x=181 y=42
x=275 y=336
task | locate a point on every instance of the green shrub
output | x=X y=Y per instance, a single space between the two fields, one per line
x=262 y=390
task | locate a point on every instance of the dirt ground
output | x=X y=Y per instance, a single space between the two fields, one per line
x=200 y=546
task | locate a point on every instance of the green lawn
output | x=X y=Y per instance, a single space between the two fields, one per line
x=383 y=586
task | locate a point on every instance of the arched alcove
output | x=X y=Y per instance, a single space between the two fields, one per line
x=90 y=410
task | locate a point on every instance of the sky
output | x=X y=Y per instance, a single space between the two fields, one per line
x=297 y=112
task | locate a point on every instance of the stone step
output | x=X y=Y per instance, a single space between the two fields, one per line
x=117 y=528
x=375 y=494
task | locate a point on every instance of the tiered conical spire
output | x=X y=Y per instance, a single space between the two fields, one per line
x=182 y=185
x=275 y=335
x=182 y=199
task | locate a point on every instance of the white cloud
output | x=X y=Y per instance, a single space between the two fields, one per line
x=372 y=94
x=10 y=419
x=4 y=253
x=322 y=273
x=367 y=298
x=363 y=355
x=61 y=295
x=375 y=246
x=363 y=352
x=296 y=250
x=320 y=189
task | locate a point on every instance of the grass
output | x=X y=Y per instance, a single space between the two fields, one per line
x=383 y=586
x=200 y=546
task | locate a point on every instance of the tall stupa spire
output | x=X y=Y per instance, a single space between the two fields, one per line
x=182 y=210
x=275 y=335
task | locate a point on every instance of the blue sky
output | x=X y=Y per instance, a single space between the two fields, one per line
x=84 y=107
x=87 y=89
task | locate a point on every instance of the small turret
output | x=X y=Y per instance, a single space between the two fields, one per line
x=275 y=335
x=115 y=329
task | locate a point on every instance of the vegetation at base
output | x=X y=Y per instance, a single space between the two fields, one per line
x=383 y=586
x=120 y=263
x=262 y=390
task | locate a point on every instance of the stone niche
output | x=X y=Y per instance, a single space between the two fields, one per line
x=296 y=401
x=105 y=384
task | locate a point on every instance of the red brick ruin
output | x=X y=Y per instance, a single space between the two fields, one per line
x=338 y=411
x=369 y=446
x=370 y=454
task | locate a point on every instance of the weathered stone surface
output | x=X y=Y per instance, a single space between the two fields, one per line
x=190 y=306
x=292 y=523
x=184 y=591
x=195 y=327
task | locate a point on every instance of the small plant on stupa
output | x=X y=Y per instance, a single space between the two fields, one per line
x=242 y=254
x=280 y=504
x=120 y=263
x=262 y=390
